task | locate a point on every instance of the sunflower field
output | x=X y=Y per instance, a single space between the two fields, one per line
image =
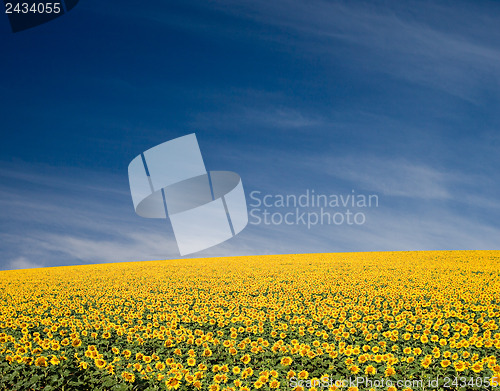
x=308 y=321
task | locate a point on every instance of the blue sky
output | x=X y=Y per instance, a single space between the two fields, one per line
x=394 y=98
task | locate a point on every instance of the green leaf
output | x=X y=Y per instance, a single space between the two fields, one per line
x=120 y=387
x=108 y=382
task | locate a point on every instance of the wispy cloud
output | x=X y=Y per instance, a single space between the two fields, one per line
x=391 y=177
x=52 y=219
x=440 y=46
x=65 y=226
x=90 y=221
x=22 y=263
x=276 y=118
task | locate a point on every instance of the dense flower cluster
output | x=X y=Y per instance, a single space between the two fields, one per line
x=247 y=323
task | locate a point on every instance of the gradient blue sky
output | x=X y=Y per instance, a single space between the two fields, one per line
x=395 y=98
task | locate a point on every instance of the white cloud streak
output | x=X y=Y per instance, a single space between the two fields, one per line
x=104 y=229
x=391 y=177
x=454 y=49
